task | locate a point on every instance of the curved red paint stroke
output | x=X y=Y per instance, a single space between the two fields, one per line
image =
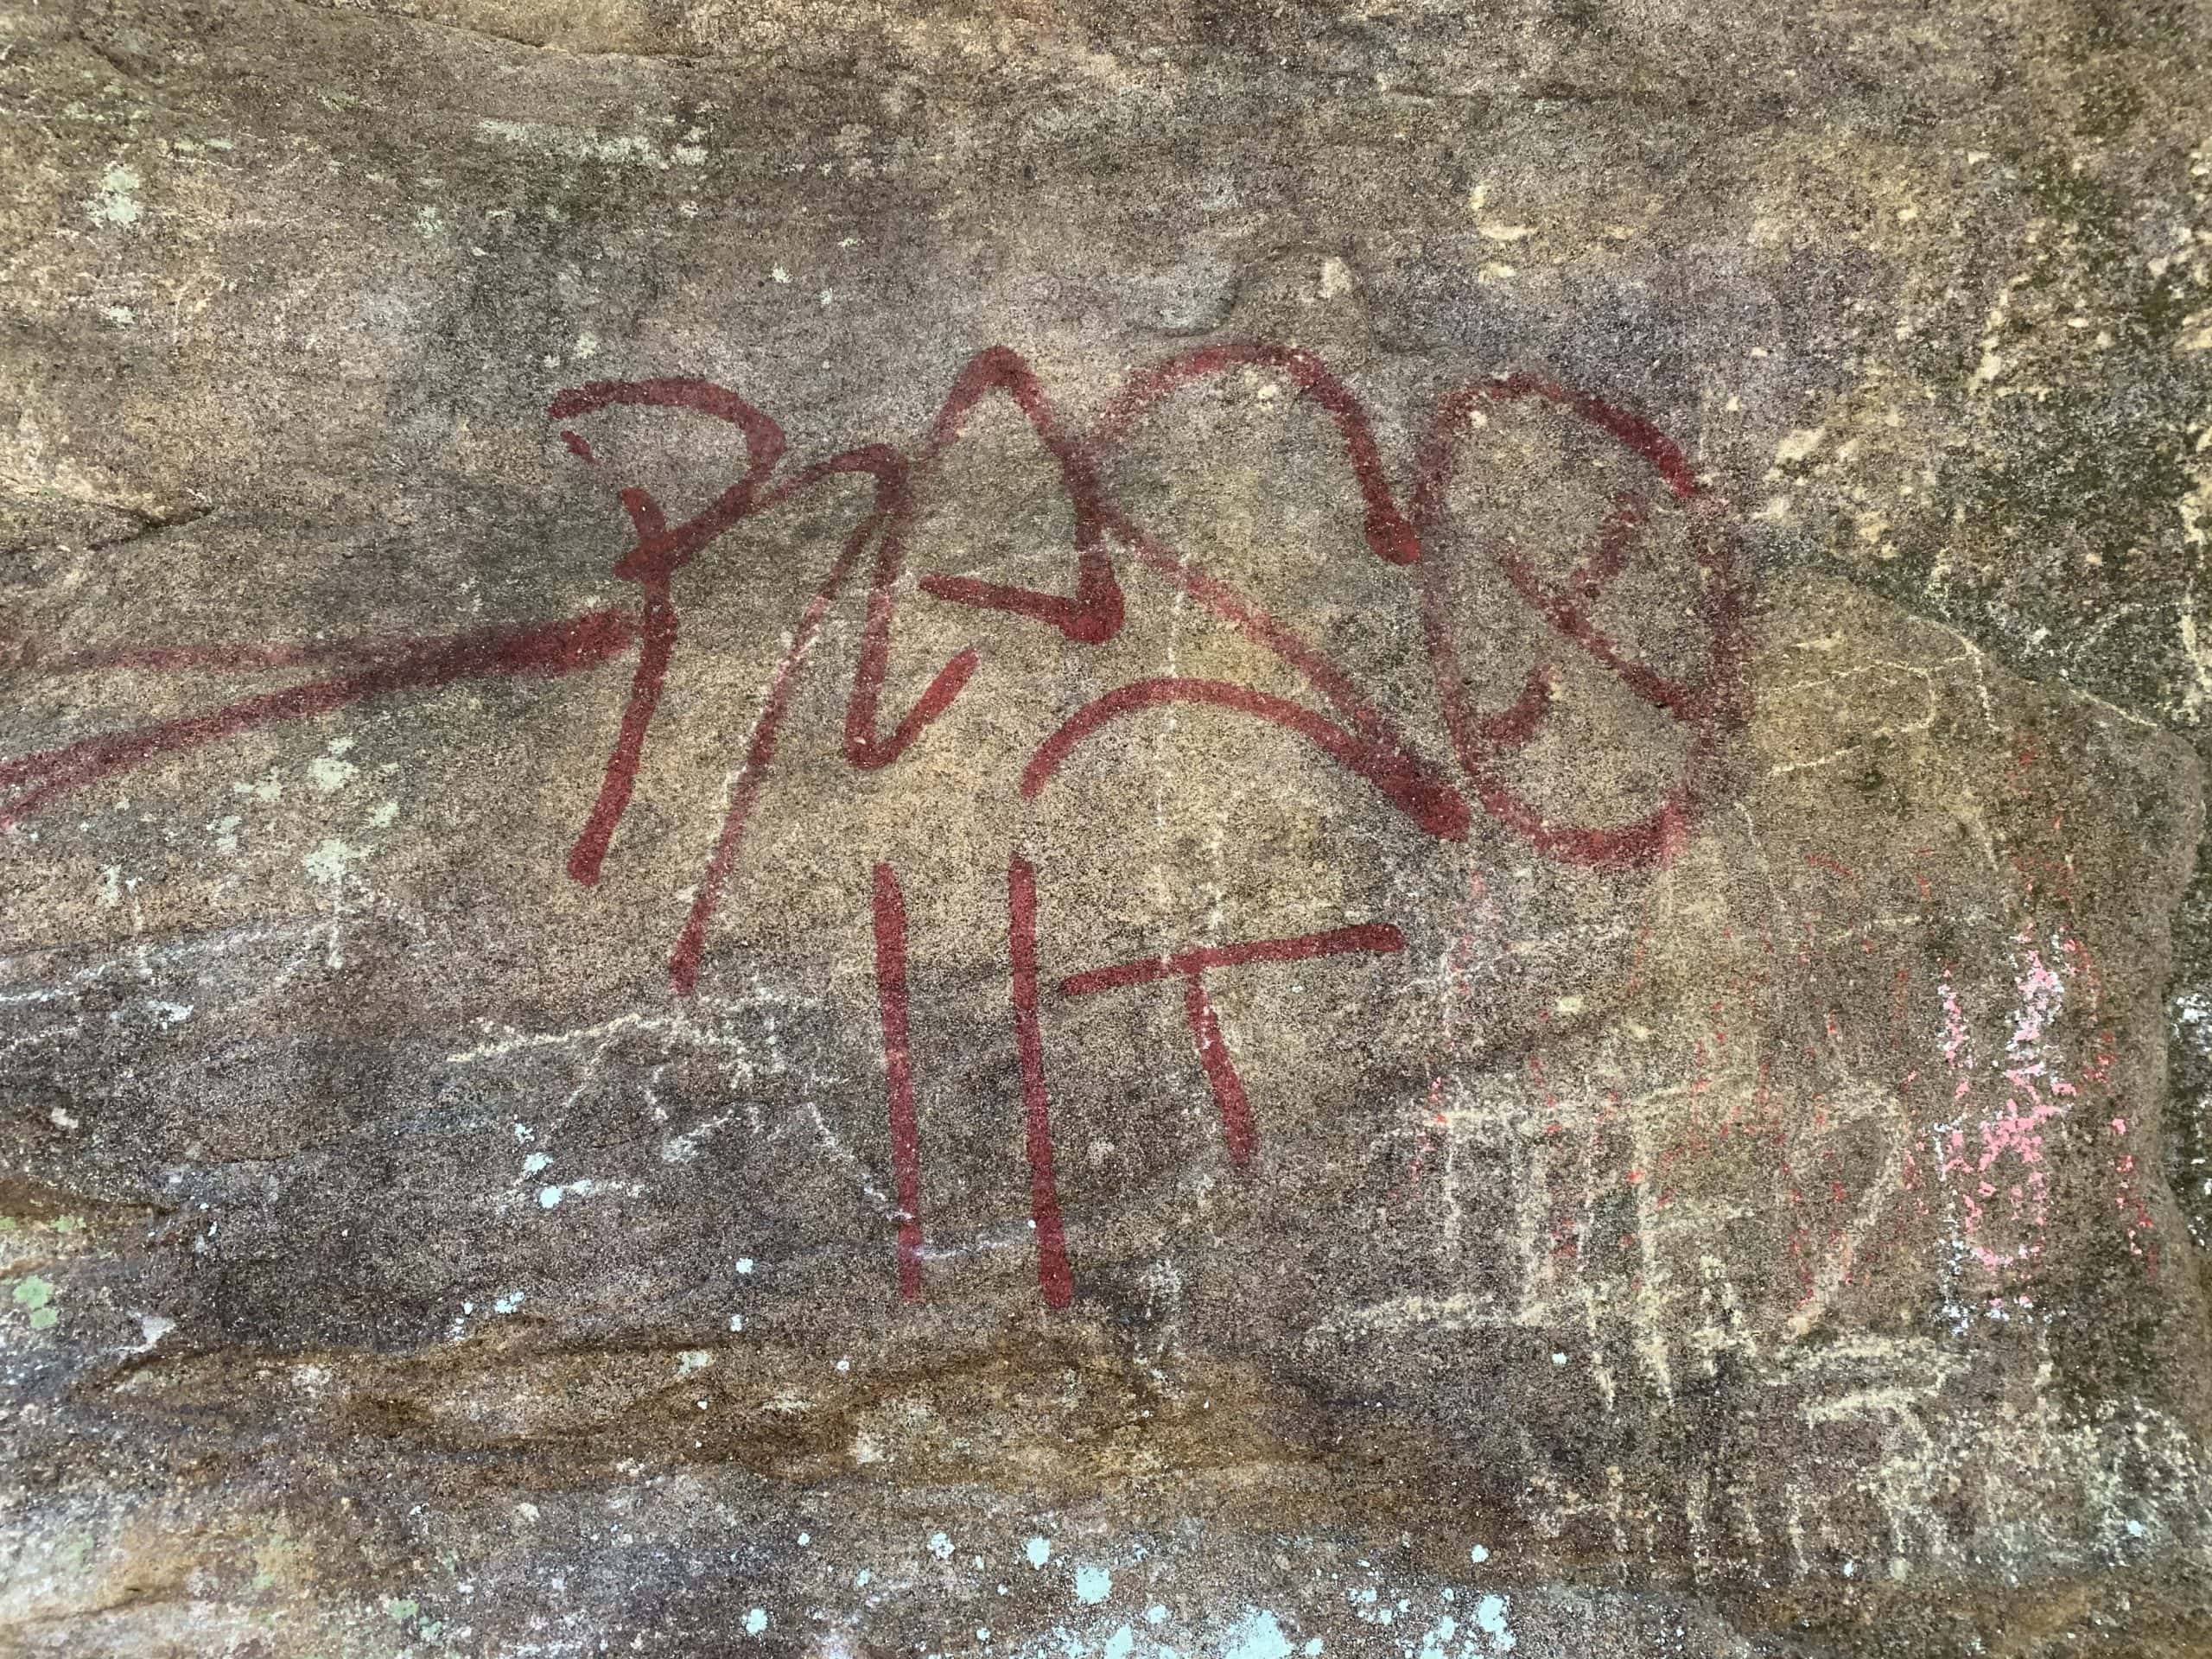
x=1387 y=533
x=1404 y=782
x=652 y=563
x=1706 y=707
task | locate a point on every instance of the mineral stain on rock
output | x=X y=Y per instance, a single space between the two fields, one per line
x=1200 y=831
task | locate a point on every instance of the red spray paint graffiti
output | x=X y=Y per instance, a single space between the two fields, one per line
x=1355 y=733
x=899 y=1075
x=1237 y=1128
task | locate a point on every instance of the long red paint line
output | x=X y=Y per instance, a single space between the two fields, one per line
x=1404 y=782
x=890 y=917
x=1256 y=621
x=746 y=787
x=619 y=778
x=549 y=648
x=1237 y=1129
x=887 y=521
x=1054 y=1276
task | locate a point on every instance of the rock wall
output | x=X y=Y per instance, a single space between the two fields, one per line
x=1197 y=831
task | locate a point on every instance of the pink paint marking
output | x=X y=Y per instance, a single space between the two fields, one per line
x=2008 y=1143
x=2041 y=992
x=1956 y=1037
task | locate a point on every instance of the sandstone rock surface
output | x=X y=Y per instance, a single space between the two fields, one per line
x=1199 y=830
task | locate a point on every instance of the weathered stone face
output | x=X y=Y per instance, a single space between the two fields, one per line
x=1119 y=832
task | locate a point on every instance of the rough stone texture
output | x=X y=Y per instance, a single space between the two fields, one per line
x=1776 y=1230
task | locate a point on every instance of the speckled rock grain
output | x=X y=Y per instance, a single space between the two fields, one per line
x=1689 y=1137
